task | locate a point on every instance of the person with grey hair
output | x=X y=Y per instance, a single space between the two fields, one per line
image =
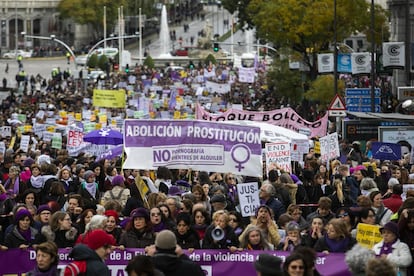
x=96 y=222
x=267 y=195
x=367 y=186
x=357 y=258
x=174 y=203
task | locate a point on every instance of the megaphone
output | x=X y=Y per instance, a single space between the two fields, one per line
x=217 y=234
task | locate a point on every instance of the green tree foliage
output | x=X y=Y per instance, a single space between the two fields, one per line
x=285 y=82
x=210 y=58
x=239 y=7
x=321 y=90
x=93 y=61
x=149 y=62
x=307 y=26
x=91 y=12
x=102 y=61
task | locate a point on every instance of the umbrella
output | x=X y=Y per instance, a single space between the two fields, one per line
x=105 y=136
x=111 y=153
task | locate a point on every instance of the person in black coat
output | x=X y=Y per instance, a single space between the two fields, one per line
x=168 y=258
x=186 y=236
x=22 y=234
x=212 y=239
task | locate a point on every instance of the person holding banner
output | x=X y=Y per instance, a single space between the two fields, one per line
x=337 y=238
x=392 y=249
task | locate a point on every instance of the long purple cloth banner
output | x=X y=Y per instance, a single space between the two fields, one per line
x=213 y=262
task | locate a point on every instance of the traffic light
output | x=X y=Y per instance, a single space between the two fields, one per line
x=215 y=47
x=127 y=68
x=191 y=65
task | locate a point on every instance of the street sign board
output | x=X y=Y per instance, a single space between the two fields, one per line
x=359 y=99
x=405 y=93
x=364 y=108
x=357 y=92
x=337 y=104
x=337 y=113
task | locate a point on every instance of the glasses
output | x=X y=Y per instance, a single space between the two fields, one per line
x=233 y=220
x=296 y=267
x=155 y=214
x=343 y=215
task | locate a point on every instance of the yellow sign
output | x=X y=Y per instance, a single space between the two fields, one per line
x=317 y=147
x=109 y=98
x=177 y=114
x=78 y=116
x=368 y=235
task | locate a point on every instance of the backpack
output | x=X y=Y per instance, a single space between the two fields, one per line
x=75 y=268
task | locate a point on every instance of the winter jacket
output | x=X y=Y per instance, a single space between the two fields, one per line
x=62 y=238
x=188 y=240
x=95 y=266
x=173 y=265
x=230 y=239
x=400 y=256
x=134 y=239
x=14 y=239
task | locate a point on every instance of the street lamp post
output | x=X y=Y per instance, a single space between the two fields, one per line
x=372 y=56
x=53 y=38
x=335 y=51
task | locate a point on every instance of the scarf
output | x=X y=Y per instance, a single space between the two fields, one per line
x=15 y=185
x=66 y=182
x=52 y=271
x=159 y=227
x=254 y=247
x=91 y=188
x=26 y=234
x=36 y=181
x=386 y=248
x=336 y=246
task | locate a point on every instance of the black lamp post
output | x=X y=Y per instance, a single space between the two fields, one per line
x=372 y=56
x=335 y=52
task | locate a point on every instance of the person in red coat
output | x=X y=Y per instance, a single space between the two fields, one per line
x=395 y=201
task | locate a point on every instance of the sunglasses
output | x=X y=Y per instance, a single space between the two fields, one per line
x=343 y=215
x=233 y=219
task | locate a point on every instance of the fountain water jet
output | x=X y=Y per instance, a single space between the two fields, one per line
x=165 y=35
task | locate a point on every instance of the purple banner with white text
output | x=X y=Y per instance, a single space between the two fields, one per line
x=200 y=145
x=213 y=262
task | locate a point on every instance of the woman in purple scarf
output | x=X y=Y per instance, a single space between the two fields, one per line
x=22 y=235
x=337 y=238
x=13 y=183
x=392 y=249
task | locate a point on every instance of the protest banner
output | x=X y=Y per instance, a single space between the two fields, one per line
x=213 y=262
x=278 y=156
x=200 y=145
x=248 y=198
x=368 y=235
x=109 y=98
x=285 y=117
x=57 y=140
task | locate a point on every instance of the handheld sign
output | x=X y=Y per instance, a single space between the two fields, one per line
x=248 y=198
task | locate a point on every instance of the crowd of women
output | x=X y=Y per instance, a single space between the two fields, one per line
x=61 y=199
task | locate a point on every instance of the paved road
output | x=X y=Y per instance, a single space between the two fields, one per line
x=33 y=66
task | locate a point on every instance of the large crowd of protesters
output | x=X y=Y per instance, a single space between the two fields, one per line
x=48 y=197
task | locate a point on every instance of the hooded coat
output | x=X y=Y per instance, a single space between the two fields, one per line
x=94 y=264
x=172 y=265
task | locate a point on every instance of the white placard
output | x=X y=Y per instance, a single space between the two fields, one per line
x=278 y=155
x=248 y=198
x=5 y=131
x=24 y=143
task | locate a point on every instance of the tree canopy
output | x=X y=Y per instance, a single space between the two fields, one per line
x=307 y=26
x=91 y=12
